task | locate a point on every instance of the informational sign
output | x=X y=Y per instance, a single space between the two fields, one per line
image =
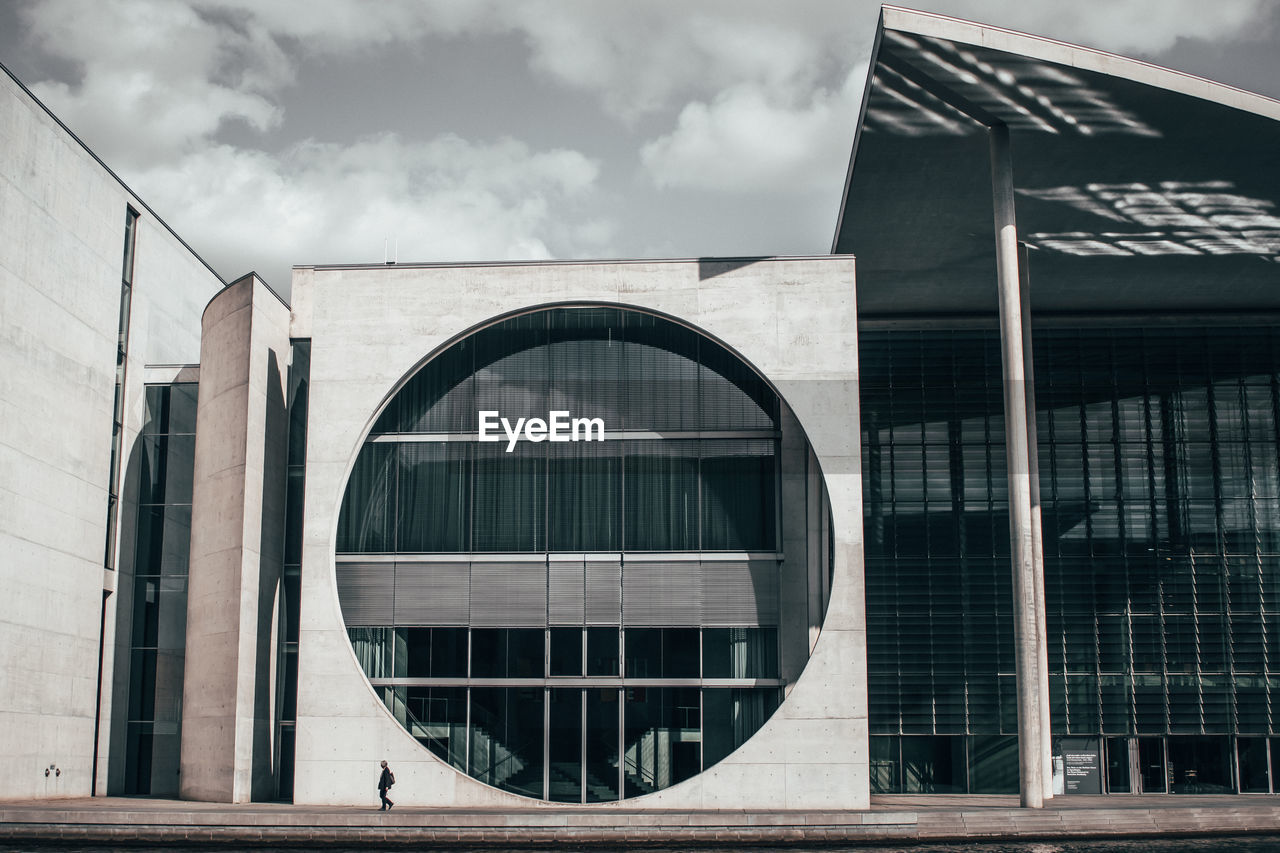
x=1081 y=765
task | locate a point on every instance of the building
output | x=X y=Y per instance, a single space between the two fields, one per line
x=711 y=533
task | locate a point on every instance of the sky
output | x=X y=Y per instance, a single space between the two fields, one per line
x=270 y=133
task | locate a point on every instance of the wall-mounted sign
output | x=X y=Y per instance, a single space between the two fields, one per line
x=1081 y=764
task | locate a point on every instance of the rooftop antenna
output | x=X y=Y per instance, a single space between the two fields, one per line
x=387 y=258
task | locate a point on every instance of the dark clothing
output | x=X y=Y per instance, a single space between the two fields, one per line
x=385 y=781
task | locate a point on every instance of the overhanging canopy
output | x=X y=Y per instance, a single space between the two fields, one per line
x=1139 y=189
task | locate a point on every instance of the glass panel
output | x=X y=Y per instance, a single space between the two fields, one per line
x=661 y=504
x=663 y=738
x=732 y=395
x=933 y=765
x=299 y=383
x=1200 y=765
x=1275 y=763
x=507 y=653
x=506 y=738
x=738 y=496
x=155 y=418
x=1118 y=765
x=434 y=652
x=289 y=689
x=435 y=485
x=373 y=650
x=739 y=653
x=885 y=764
x=1151 y=760
x=364 y=524
x=448 y=652
x=437 y=718
x=603 y=733
x=644 y=653
x=661 y=375
x=511 y=368
x=587 y=357
x=163 y=540
x=291 y=583
x=680 y=653
x=288 y=738
x=585 y=496
x=295 y=487
x=139 y=745
x=510 y=502
x=165 y=466
x=602 y=651
x=731 y=716
x=1252 y=752
x=993 y=765
x=440 y=397
x=566 y=651
x=564 y=746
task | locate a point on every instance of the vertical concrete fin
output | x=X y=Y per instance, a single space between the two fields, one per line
x=236 y=534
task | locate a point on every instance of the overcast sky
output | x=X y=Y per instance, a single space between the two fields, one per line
x=269 y=133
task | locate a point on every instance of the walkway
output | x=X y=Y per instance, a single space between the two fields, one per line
x=120 y=821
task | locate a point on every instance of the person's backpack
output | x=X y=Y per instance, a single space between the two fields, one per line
x=392 y=780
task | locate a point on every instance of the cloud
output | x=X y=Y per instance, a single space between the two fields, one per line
x=162 y=79
x=721 y=96
x=1132 y=27
x=745 y=140
x=443 y=199
x=641 y=58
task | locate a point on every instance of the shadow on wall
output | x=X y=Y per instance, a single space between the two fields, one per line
x=712 y=267
x=266 y=699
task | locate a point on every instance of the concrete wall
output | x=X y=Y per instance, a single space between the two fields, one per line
x=62 y=218
x=237 y=548
x=794 y=319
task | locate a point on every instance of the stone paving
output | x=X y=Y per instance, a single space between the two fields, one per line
x=122 y=820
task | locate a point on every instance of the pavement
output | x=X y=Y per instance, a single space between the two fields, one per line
x=117 y=821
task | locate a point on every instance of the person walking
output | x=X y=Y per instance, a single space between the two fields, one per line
x=385 y=781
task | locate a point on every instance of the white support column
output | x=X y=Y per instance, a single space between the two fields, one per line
x=1022 y=545
x=1037 y=525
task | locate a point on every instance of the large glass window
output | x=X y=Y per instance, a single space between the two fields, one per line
x=483 y=581
x=664 y=488
x=164 y=461
x=1161 y=517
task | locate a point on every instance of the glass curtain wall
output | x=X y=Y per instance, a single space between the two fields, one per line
x=166 y=455
x=658 y=722
x=291 y=578
x=557 y=697
x=1161 y=512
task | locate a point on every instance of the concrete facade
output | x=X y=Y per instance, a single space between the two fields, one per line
x=70 y=616
x=370 y=327
x=62 y=214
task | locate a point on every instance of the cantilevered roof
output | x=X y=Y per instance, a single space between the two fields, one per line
x=1138 y=188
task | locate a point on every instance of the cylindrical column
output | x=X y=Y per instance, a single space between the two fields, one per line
x=1037 y=523
x=1022 y=548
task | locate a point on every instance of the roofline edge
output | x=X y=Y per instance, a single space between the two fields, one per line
x=1076 y=56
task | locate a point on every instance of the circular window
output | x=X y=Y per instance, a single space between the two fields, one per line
x=558 y=554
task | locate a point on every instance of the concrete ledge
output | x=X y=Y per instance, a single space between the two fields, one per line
x=114 y=821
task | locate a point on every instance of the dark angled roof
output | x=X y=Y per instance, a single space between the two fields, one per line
x=1138 y=188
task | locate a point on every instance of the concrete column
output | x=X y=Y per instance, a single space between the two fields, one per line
x=1022 y=545
x=237 y=547
x=1037 y=524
